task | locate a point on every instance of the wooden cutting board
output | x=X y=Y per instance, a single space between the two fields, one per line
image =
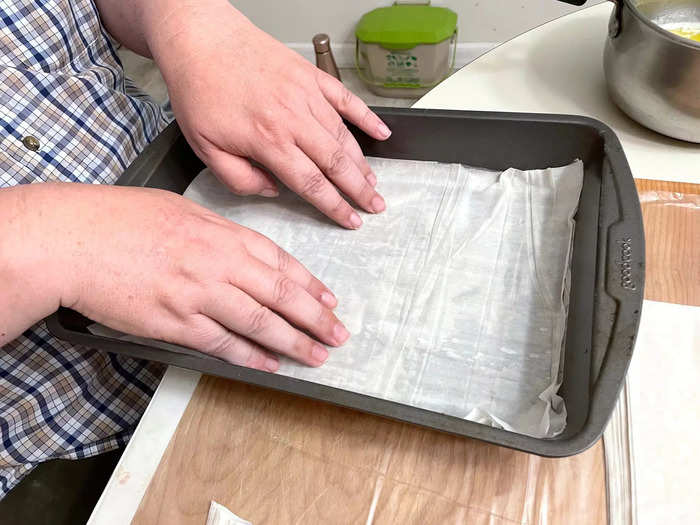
x=274 y=458
x=671 y=213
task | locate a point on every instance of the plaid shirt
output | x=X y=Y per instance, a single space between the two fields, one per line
x=62 y=83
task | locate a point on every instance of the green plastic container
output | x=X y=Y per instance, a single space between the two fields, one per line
x=406 y=49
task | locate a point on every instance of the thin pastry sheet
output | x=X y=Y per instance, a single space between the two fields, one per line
x=456 y=296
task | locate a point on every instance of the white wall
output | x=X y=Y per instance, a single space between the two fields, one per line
x=479 y=20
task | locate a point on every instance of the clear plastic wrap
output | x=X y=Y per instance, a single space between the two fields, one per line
x=646 y=479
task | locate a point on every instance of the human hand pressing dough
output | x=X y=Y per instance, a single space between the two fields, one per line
x=239 y=94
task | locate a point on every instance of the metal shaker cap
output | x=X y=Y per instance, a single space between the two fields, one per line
x=322 y=43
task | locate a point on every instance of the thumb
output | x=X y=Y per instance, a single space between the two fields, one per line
x=240 y=176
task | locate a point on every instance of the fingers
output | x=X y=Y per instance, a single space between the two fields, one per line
x=330 y=156
x=278 y=259
x=210 y=337
x=240 y=176
x=331 y=121
x=298 y=172
x=285 y=296
x=351 y=107
x=242 y=314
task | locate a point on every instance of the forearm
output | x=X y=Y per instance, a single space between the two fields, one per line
x=149 y=27
x=128 y=21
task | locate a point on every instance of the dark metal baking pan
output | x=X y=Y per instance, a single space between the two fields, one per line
x=607 y=273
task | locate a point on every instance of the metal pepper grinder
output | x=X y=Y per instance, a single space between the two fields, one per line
x=324 y=55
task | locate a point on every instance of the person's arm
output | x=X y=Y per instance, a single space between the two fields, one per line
x=31 y=284
x=126 y=21
x=238 y=94
x=151 y=263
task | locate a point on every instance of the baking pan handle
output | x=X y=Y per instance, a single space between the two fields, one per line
x=622 y=241
x=625 y=251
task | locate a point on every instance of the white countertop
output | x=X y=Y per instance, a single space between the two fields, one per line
x=556 y=68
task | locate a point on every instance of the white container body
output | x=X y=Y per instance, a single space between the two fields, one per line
x=404 y=72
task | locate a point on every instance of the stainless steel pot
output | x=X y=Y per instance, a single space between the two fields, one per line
x=653 y=75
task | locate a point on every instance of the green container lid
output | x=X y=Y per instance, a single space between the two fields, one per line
x=406 y=26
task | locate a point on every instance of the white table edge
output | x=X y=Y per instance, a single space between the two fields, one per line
x=124 y=491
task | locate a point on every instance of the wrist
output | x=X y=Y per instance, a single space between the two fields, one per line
x=32 y=277
x=47 y=236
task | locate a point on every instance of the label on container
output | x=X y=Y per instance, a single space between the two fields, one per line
x=402 y=68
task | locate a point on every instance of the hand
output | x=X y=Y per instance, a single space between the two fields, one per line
x=239 y=94
x=151 y=263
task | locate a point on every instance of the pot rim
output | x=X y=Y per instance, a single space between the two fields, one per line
x=656 y=27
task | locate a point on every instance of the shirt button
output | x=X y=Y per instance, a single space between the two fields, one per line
x=31 y=143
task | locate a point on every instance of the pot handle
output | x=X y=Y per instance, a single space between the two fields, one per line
x=615 y=21
x=581 y=2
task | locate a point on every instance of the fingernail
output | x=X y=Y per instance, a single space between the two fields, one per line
x=271 y=365
x=340 y=333
x=372 y=179
x=268 y=192
x=329 y=299
x=377 y=204
x=355 y=220
x=319 y=354
x=383 y=130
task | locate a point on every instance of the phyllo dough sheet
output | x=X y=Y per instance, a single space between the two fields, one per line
x=456 y=296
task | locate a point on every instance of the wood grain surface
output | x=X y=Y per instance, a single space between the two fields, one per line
x=671 y=213
x=274 y=458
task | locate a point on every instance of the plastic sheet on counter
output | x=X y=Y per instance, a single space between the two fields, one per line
x=456 y=296
x=278 y=458
x=650 y=444
x=664 y=419
x=653 y=198
x=643 y=419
